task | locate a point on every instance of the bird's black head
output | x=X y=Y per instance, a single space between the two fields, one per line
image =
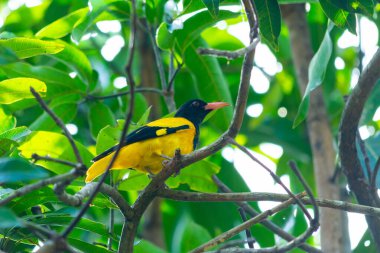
x=196 y=110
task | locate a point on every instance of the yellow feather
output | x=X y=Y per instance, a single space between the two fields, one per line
x=147 y=155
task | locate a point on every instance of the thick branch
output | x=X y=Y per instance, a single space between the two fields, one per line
x=347 y=147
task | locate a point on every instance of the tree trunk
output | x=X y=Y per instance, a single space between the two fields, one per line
x=334 y=232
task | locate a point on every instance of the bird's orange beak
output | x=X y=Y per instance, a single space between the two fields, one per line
x=216 y=105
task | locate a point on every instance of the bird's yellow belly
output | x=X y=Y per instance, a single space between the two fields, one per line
x=148 y=156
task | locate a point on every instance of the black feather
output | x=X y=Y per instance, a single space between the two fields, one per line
x=141 y=134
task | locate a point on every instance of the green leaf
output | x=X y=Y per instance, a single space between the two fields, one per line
x=63 y=26
x=210 y=80
x=8 y=219
x=7 y=120
x=212 y=6
x=7 y=55
x=66 y=112
x=144 y=246
x=192 y=28
x=62 y=220
x=8 y=138
x=98 y=7
x=81 y=64
x=365 y=7
x=340 y=17
x=136 y=181
x=57 y=81
x=15 y=133
x=189 y=235
x=16 y=89
x=19 y=170
x=6 y=145
x=54 y=145
x=84 y=246
x=198 y=176
x=269 y=21
x=26 y=47
x=99 y=116
x=317 y=70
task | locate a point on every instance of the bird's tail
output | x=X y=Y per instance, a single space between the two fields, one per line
x=97 y=168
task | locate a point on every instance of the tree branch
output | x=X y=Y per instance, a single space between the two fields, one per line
x=59 y=123
x=264 y=196
x=267 y=223
x=229 y=55
x=347 y=148
x=128 y=119
x=44 y=182
x=142 y=89
x=230 y=233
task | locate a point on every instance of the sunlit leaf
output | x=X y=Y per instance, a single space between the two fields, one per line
x=7 y=120
x=192 y=28
x=19 y=170
x=57 y=81
x=63 y=26
x=98 y=7
x=15 y=89
x=317 y=70
x=27 y=47
x=54 y=145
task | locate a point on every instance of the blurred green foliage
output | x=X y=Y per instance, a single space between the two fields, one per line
x=60 y=48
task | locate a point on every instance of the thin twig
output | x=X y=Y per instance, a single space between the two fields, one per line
x=264 y=196
x=230 y=233
x=59 y=122
x=267 y=223
x=142 y=89
x=44 y=182
x=128 y=118
x=247 y=231
x=88 y=189
x=274 y=176
x=173 y=76
x=37 y=157
x=229 y=55
x=234 y=243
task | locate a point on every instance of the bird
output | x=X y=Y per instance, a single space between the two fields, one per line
x=146 y=148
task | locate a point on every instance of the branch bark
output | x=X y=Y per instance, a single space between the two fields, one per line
x=347 y=146
x=334 y=237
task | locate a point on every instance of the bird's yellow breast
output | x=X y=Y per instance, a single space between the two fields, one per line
x=148 y=155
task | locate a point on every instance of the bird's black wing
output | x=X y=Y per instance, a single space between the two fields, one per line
x=141 y=134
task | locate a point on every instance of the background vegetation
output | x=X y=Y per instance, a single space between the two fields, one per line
x=85 y=68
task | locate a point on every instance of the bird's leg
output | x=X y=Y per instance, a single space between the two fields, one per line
x=150 y=173
x=177 y=159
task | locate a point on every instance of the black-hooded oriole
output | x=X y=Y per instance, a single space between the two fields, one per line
x=147 y=147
